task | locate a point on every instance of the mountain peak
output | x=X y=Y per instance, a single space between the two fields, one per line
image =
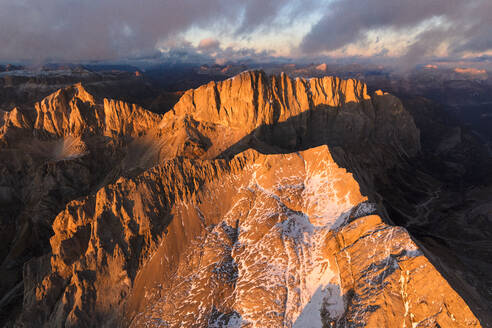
x=82 y=93
x=75 y=111
x=252 y=98
x=289 y=113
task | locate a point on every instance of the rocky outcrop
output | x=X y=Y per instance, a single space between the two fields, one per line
x=395 y=276
x=73 y=111
x=250 y=204
x=13 y=124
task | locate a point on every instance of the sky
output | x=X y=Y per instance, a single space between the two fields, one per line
x=409 y=31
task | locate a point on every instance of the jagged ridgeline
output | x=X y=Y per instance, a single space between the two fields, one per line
x=250 y=203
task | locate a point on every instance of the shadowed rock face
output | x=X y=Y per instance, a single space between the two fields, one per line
x=253 y=203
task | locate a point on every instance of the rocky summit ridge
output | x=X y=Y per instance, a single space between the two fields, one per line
x=250 y=203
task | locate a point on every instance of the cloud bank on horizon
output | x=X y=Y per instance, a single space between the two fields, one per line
x=419 y=28
x=409 y=30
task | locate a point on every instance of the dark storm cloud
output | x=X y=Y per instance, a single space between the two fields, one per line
x=466 y=24
x=76 y=29
x=102 y=29
x=424 y=47
x=347 y=21
x=268 y=13
x=478 y=35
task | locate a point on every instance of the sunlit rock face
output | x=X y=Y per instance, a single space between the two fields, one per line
x=260 y=241
x=289 y=241
x=250 y=204
x=225 y=117
x=264 y=254
x=74 y=111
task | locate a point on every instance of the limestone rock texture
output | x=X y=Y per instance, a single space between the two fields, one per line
x=250 y=204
